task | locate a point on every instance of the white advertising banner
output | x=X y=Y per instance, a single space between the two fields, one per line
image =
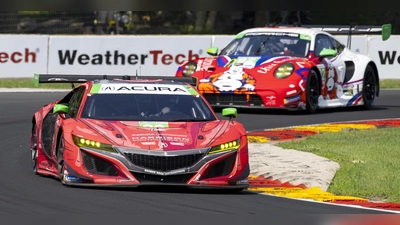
x=359 y=43
x=149 y=55
x=124 y=55
x=221 y=41
x=23 y=55
x=386 y=55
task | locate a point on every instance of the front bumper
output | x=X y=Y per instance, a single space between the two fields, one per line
x=126 y=169
x=265 y=99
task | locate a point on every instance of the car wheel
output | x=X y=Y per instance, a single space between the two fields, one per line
x=34 y=151
x=60 y=158
x=312 y=92
x=369 y=87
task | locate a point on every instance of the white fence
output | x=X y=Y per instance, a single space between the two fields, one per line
x=158 y=55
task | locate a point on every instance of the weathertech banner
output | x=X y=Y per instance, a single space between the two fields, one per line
x=124 y=55
x=386 y=55
x=22 y=55
x=146 y=55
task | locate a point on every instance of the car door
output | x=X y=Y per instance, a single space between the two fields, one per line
x=332 y=69
x=73 y=101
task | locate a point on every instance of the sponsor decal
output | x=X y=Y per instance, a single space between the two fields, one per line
x=242 y=182
x=270 y=102
x=272 y=34
x=247 y=62
x=153 y=124
x=162 y=145
x=348 y=86
x=177 y=143
x=142 y=89
x=157 y=138
x=291 y=92
x=164 y=173
x=73 y=57
x=148 y=143
x=266 y=69
x=204 y=64
x=270 y=97
x=69 y=177
x=73 y=178
x=26 y=56
x=293 y=99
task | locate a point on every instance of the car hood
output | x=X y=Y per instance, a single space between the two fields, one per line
x=248 y=61
x=165 y=136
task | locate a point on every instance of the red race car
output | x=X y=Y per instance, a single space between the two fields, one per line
x=122 y=132
x=287 y=68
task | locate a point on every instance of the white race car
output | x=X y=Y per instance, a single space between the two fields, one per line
x=288 y=67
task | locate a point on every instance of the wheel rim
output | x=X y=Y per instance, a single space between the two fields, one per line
x=313 y=92
x=60 y=158
x=369 y=87
x=34 y=149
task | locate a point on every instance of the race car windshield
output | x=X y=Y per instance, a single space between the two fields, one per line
x=273 y=43
x=147 y=107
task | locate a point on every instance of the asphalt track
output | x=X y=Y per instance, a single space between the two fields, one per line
x=22 y=192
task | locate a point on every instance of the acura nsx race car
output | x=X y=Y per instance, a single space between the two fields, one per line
x=287 y=67
x=122 y=132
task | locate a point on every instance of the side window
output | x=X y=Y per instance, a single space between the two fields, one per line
x=230 y=48
x=322 y=41
x=338 y=46
x=75 y=101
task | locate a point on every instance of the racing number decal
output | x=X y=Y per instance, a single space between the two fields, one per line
x=329 y=80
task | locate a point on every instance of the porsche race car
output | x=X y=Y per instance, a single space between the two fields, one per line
x=136 y=132
x=295 y=68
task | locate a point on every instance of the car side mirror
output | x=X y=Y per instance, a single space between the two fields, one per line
x=229 y=112
x=60 y=108
x=212 y=51
x=327 y=53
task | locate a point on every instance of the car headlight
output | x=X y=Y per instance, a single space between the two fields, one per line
x=284 y=70
x=228 y=146
x=189 y=69
x=83 y=142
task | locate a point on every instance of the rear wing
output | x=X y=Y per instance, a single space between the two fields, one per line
x=385 y=30
x=67 y=78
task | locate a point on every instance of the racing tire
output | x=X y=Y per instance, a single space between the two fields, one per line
x=369 y=87
x=60 y=158
x=312 y=92
x=34 y=151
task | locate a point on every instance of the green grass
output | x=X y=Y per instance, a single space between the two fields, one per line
x=28 y=83
x=369 y=161
x=390 y=83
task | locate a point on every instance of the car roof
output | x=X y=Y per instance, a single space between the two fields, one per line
x=139 y=81
x=146 y=86
x=297 y=30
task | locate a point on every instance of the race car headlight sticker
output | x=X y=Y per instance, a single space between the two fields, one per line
x=82 y=142
x=228 y=146
x=189 y=69
x=284 y=70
